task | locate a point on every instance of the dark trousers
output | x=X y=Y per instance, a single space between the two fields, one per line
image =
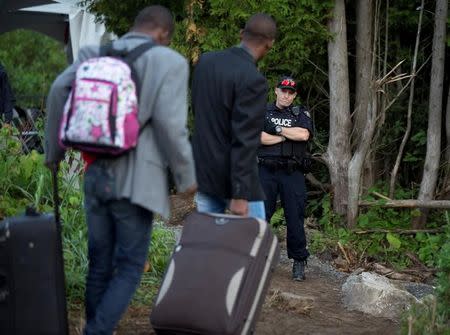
x=292 y=190
x=118 y=242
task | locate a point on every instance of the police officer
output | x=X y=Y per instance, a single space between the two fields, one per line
x=287 y=130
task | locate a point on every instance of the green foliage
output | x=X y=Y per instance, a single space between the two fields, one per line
x=32 y=61
x=162 y=244
x=215 y=24
x=278 y=218
x=22 y=177
x=118 y=15
x=391 y=248
x=443 y=288
x=433 y=315
x=25 y=181
x=419 y=141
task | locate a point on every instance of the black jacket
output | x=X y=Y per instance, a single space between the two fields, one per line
x=228 y=98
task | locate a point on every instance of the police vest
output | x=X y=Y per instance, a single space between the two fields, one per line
x=287 y=117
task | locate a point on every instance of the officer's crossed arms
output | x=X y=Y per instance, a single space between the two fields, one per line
x=271 y=136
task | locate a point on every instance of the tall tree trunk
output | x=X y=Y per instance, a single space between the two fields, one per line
x=364 y=52
x=338 y=152
x=446 y=184
x=410 y=107
x=359 y=157
x=430 y=171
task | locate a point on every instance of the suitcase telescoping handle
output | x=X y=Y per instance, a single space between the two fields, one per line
x=64 y=325
x=56 y=202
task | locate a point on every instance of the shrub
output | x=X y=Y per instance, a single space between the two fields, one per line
x=433 y=315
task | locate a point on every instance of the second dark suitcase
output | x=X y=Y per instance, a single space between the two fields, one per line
x=217 y=278
x=32 y=295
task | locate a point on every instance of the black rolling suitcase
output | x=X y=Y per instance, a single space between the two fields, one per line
x=32 y=290
x=217 y=278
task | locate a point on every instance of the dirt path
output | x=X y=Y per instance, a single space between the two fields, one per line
x=317 y=307
x=310 y=307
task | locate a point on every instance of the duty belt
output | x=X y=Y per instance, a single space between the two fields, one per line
x=273 y=164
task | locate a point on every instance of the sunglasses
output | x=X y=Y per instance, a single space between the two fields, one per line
x=288 y=91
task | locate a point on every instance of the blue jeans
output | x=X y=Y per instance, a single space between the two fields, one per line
x=118 y=241
x=207 y=203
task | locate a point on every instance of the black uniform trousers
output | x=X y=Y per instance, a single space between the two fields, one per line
x=292 y=190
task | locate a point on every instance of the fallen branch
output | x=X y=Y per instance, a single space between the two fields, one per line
x=410 y=203
x=344 y=252
x=400 y=231
x=382 y=196
x=415 y=276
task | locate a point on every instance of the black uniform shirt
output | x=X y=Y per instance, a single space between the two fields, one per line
x=286 y=117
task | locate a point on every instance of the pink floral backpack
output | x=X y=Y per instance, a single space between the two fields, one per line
x=101 y=113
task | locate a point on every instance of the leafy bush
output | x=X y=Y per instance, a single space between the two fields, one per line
x=24 y=181
x=162 y=244
x=32 y=61
x=433 y=315
x=391 y=248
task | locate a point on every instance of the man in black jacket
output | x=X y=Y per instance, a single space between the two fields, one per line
x=228 y=98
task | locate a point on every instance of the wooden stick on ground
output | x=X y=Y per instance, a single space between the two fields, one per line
x=410 y=203
x=344 y=252
x=400 y=231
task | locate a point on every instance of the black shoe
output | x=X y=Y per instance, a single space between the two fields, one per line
x=298 y=270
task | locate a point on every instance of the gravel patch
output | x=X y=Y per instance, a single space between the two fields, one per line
x=315 y=264
x=418 y=290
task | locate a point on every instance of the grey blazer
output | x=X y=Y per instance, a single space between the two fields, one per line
x=141 y=174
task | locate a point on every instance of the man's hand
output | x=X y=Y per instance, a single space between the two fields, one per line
x=239 y=207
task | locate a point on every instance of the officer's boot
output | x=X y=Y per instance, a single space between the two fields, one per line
x=298 y=270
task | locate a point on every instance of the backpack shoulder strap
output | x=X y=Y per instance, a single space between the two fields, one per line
x=132 y=55
x=137 y=51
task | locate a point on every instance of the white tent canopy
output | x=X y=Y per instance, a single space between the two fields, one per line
x=54 y=18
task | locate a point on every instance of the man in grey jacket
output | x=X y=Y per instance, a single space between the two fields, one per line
x=121 y=194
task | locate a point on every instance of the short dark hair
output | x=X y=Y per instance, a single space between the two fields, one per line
x=260 y=27
x=155 y=16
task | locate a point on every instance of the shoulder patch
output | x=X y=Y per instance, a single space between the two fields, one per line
x=307 y=113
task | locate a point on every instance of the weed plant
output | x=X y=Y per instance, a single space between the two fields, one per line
x=432 y=316
x=390 y=248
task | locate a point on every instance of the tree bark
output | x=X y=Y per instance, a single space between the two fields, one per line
x=446 y=183
x=364 y=32
x=362 y=153
x=364 y=51
x=430 y=173
x=357 y=162
x=410 y=107
x=338 y=153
